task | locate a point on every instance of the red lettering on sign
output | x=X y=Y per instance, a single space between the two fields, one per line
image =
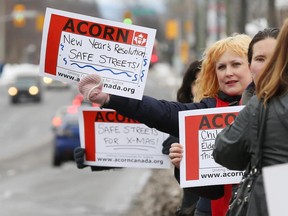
x=112 y=116
x=98 y=30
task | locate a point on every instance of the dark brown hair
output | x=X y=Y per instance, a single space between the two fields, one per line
x=273 y=81
x=184 y=93
x=261 y=35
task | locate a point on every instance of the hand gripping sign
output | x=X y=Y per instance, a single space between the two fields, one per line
x=113 y=140
x=75 y=45
x=198 y=131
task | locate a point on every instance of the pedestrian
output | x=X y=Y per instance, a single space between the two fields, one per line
x=223 y=77
x=185 y=94
x=234 y=144
x=260 y=51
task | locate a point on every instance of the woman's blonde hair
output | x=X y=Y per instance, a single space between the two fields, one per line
x=207 y=82
x=273 y=81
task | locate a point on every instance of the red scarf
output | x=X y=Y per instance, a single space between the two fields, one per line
x=220 y=206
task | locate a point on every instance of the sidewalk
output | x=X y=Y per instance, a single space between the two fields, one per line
x=161 y=196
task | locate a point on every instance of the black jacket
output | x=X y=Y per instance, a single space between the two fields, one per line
x=233 y=144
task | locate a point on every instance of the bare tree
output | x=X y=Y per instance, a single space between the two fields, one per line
x=242 y=20
x=272 y=18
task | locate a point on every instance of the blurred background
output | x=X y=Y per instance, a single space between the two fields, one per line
x=39 y=127
x=184 y=27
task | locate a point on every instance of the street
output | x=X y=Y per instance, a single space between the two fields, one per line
x=30 y=185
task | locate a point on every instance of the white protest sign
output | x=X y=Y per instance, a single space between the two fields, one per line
x=198 y=131
x=75 y=45
x=113 y=140
x=275 y=183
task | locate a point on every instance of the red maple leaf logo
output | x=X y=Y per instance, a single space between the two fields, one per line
x=140 y=38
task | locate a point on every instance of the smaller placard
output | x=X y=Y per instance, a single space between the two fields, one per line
x=113 y=140
x=198 y=131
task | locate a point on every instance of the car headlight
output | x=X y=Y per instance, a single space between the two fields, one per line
x=12 y=91
x=33 y=90
x=47 y=80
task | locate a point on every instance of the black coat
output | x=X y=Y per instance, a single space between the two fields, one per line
x=233 y=144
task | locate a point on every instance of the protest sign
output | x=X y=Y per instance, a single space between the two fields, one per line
x=113 y=140
x=75 y=45
x=275 y=180
x=198 y=131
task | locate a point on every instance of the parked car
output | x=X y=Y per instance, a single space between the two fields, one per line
x=65 y=127
x=25 y=87
x=54 y=84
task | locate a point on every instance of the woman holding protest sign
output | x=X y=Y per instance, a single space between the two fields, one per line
x=223 y=78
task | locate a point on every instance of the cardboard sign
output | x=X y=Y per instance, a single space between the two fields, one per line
x=275 y=184
x=198 y=131
x=113 y=140
x=75 y=45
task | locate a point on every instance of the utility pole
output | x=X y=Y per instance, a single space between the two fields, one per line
x=200 y=26
x=242 y=20
x=229 y=16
